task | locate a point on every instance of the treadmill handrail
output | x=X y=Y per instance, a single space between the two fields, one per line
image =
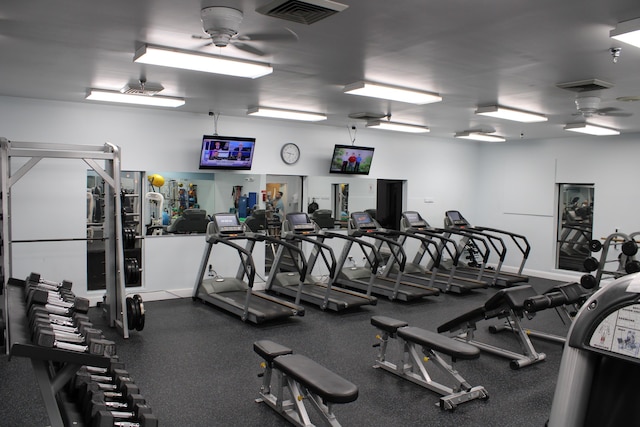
x=525 y=248
x=454 y=257
x=249 y=272
x=331 y=266
x=474 y=238
x=375 y=234
x=377 y=258
x=302 y=270
x=501 y=252
x=425 y=241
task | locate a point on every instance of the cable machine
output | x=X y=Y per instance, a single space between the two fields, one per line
x=116 y=304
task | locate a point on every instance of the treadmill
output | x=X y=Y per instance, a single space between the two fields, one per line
x=236 y=294
x=299 y=229
x=412 y=222
x=455 y=221
x=367 y=278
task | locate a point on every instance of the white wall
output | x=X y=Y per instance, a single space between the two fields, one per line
x=443 y=171
x=516 y=189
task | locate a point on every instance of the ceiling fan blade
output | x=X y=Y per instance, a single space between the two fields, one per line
x=607 y=110
x=247 y=48
x=199 y=37
x=616 y=114
x=287 y=35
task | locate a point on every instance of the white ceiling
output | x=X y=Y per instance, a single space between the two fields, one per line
x=471 y=52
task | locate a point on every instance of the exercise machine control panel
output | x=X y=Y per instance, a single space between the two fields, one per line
x=227 y=224
x=363 y=221
x=299 y=222
x=414 y=220
x=455 y=219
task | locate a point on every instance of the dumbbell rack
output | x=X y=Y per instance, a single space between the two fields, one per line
x=115 y=298
x=51 y=381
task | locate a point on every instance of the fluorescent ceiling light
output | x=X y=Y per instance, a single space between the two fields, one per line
x=510 y=114
x=399 y=127
x=197 y=61
x=627 y=32
x=286 y=114
x=480 y=136
x=392 y=93
x=590 y=129
x=115 y=96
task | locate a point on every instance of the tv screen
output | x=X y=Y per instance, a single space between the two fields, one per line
x=350 y=159
x=226 y=152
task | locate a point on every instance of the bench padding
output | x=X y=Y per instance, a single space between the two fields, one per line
x=441 y=343
x=387 y=324
x=514 y=297
x=316 y=378
x=269 y=350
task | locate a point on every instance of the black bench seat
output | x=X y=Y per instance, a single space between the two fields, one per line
x=437 y=342
x=269 y=350
x=318 y=379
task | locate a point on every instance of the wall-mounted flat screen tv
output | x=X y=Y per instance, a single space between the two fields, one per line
x=349 y=159
x=226 y=152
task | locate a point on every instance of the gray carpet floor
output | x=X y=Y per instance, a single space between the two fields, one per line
x=196 y=366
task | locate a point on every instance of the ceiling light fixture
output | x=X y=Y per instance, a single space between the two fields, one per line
x=627 y=32
x=286 y=114
x=479 y=136
x=126 y=98
x=391 y=93
x=590 y=129
x=398 y=127
x=197 y=61
x=510 y=114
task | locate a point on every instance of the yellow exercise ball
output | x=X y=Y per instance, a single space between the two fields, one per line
x=156 y=180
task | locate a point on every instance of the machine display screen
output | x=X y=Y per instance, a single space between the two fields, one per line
x=456 y=218
x=227 y=223
x=300 y=221
x=413 y=218
x=619 y=332
x=363 y=220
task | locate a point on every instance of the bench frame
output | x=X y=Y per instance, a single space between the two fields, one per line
x=287 y=397
x=413 y=367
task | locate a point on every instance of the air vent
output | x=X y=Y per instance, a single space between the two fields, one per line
x=303 y=12
x=585 y=85
x=142 y=88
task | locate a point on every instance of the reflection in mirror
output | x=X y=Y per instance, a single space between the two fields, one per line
x=575 y=223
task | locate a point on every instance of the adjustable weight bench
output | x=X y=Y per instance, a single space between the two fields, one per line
x=505 y=304
x=300 y=379
x=413 y=367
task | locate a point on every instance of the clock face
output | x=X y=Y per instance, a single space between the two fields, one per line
x=290 y=153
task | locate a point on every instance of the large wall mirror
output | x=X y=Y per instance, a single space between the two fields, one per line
x=575 y=224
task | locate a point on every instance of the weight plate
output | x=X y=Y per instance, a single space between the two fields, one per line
x=595 y=245
x=629 y=248
x=590 y=264
x=140 y=323
x=588 y=281
x=131 y=313
x=632 y=267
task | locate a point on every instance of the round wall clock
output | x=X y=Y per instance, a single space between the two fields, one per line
x=290 y=153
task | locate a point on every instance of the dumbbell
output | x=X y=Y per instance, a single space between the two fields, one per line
x=110 y=419
x=71 y=320
x=64 y=299
x=46 y=336
x=35 y=278
x=115 y=380
x=93 y=399
x=82 y=333
x=56 y=306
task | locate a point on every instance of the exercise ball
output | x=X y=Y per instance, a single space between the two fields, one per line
x=156 y=180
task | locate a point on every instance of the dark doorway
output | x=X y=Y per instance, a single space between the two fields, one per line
x=389 y=203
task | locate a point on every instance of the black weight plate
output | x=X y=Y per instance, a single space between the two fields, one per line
x=632 y=267
x=629 y=248
x=595 y=245
x=140 y=324
x=587 y=281
x=590 y=264
x=131 y=313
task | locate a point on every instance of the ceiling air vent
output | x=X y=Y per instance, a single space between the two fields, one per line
x=142 y=88
x=367 y=116
x=303 y=12
x=585 y=85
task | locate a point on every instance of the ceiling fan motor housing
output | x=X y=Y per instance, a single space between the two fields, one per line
x=587 y=104
x=221 y=23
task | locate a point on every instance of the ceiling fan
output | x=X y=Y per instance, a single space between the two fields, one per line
x=588 y=106
x=221 y=24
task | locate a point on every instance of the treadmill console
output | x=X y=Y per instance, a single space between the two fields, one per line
x=299 y=222
x=455 y=219
x=226 y=224
x=363 y=221
x=414 y=220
